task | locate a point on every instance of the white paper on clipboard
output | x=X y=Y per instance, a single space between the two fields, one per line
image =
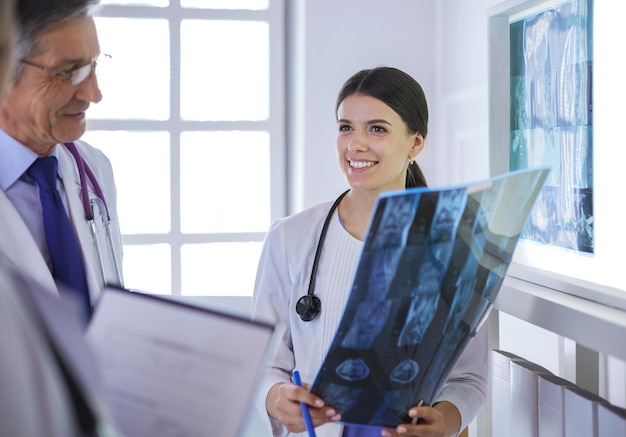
x=174 y=369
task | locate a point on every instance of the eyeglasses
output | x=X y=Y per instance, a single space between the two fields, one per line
x=76 y=75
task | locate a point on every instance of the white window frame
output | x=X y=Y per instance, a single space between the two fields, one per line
x=274 y=125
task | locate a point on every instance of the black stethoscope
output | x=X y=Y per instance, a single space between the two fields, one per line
x=309 y=306
x=95 y=207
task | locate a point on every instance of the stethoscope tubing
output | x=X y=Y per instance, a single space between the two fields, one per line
x=84 y=173
x=87 y=176
x=309 y=306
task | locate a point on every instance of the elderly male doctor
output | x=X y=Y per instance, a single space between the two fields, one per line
x=44 y=107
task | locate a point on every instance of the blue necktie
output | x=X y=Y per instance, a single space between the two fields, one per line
x=67 y=263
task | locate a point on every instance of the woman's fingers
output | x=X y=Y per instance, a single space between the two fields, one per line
x=290 y=410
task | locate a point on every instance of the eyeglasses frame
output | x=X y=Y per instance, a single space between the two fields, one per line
x=74 y=75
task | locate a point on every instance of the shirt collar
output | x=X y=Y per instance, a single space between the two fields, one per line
x=15 y=158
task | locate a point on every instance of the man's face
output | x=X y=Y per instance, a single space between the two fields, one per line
x=43 y=109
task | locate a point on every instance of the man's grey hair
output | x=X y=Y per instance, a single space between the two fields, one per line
x=35 y=17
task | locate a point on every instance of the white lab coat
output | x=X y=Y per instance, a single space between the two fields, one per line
x=17 y=243
x=283 y=277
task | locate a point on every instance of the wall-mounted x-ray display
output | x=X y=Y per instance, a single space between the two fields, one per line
x=551 y=119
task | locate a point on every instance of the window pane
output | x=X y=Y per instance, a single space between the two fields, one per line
x=219 y=269
x=225 y=4
x=135 y=82
x=141 y=163
x=225 y=182
x=160 y=3
x=147 y=268
x=226 y=69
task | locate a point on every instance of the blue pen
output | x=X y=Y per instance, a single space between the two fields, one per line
x=305 y=408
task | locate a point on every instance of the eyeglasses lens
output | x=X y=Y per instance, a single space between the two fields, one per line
x=82 y=73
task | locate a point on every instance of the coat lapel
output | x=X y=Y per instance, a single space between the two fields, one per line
x=18 y=245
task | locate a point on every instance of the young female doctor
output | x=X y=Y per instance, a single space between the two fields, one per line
x=382 y=119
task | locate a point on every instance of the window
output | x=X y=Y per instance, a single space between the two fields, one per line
x=192 y=121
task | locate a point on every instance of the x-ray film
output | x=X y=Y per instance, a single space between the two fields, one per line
x=432 y=264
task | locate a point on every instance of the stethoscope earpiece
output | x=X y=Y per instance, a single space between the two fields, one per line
x=308 y=307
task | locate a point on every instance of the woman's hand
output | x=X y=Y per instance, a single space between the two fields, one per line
x=442 y=420
x=283 y=403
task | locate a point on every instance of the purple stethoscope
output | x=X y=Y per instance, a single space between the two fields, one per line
x=95 y=207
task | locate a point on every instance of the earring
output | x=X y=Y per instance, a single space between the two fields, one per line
x=411 y=160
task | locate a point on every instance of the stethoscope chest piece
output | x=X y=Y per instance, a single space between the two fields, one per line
x=308 y=307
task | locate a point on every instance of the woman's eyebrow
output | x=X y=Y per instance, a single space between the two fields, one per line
x=379 y=121
x=376 y=121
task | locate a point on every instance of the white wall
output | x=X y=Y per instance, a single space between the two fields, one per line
x=461 y=121
x=333 y=40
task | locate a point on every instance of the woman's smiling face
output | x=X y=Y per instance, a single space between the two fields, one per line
x=374 y=144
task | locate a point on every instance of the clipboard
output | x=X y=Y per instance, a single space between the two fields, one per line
x=170 y=368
